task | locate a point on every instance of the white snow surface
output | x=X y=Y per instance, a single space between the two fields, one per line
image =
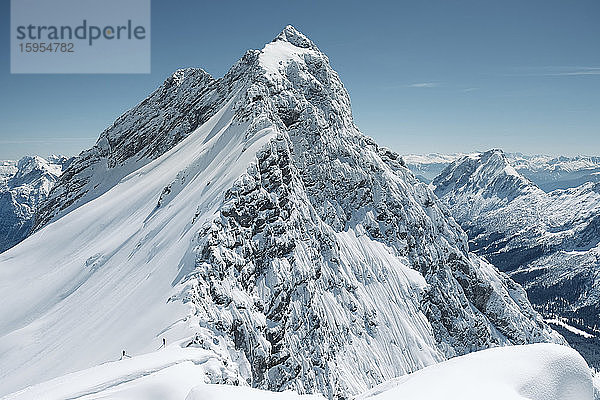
x=165 y=374
x=530 y=372
x=227 y=392
x=533 y=372
x=96 y=281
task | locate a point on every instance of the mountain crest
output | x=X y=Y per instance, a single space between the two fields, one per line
x=494 y=153
x=295 y=37
x=489 y=174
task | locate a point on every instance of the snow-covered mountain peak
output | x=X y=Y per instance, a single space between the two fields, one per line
x=286 y=82
x=488 y=174
x=497 y=160
x=36 y=165
x=496 y=154
x=30 y=169
x=277 y=55
x=154 y=125
x=292 y=56
x=24 y=184
x=547 y=172
x=250 y=214
x=295 y=37
x=549 y=242
x=181 y=75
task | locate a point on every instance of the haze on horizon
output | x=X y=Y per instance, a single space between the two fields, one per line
x=423 y=77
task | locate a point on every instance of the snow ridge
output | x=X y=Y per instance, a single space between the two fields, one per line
x=535 y=372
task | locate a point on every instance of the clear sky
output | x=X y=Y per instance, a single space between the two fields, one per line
x=423 y=76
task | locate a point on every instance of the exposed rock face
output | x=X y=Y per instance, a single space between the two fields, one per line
x=286 y=239
x=316 y=261
x=24 y=185
x=548 y=242
x=137 y=137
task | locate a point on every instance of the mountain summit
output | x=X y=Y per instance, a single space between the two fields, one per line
x=548 y=242
x=248 y=216
x=294 y=37
x=24 y=185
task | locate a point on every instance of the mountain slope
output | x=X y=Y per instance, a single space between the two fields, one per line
x=273 y=233
x=24 y=185
x=183 y=102
x=548 y=242
x=427 y=167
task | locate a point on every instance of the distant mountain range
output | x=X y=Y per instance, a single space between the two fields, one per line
x=24 y=185
x=547 y=172
x=548 y=242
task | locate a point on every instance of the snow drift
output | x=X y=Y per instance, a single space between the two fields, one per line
x=533 y=372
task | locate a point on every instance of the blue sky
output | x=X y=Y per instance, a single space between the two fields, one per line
x=423 y=76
